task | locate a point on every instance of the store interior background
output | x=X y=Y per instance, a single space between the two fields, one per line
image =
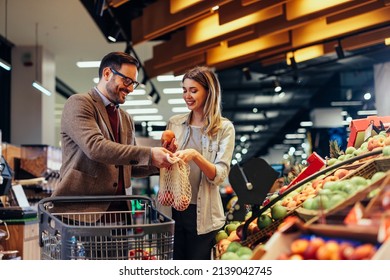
x=43 y=39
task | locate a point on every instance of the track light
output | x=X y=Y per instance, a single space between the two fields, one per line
x=4 y=64
x=113 y=36
x=154 y=96
x=277 y=85
x=293 y=63
x=247 y=73
x=339 y=50
x=41 y=88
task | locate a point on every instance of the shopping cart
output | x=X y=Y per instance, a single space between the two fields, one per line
x=142 y=233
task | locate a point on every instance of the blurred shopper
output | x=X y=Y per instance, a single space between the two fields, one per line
x=205 y=140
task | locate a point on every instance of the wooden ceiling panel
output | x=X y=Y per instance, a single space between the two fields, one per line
x=155 y=21
x=259 y=30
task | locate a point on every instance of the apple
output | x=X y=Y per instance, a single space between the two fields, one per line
x=341 y=172
x=387 y=141
x=311 y=250
x=233 y=246
x=138 y=254
x=243 y=250
x=329 y=251
x=278 y=212
x=375 y=142
x=335 y=200
x=363 y=252
x=233 y=236
x=331 y=161
x=165 y=198
x=264 y=221
x=377 y=175
x=221 y=235
x=231 y=227
x=308 y=204
x=346 y=250
x=350 y=150
x=181 y=203
x=222 y=245
x=358 y=180
x=167 y=137
x=386 y=151
x=330 y=178
x=299 y=246
x=229 y=256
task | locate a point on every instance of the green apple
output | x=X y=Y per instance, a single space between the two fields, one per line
x=350 y=150
x=233 y=246
x=229 y=256
x=278 y=212
x=358 y=180
x=332 y=161
x=221 y=235
x=386 y=151
x=341 y=157
x=264 y=221
x=335 y=199
x=231 y=227
x=377 y=175
x=308 y=203
x=243 y=251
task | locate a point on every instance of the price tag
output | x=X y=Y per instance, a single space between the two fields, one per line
x=368 y=132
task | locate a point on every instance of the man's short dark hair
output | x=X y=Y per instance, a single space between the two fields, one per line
x=115 y=61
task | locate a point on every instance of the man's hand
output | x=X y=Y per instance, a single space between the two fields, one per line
x=159 y=157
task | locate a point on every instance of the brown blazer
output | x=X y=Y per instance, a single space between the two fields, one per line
x=90 y=155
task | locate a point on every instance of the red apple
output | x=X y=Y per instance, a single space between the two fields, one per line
x=311 y=250
x=165 y=198
x=341 y=172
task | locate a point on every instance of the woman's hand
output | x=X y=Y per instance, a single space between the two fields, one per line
x=172 y=146
x=186 y=155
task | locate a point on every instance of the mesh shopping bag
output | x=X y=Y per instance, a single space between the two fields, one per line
x=175 y=188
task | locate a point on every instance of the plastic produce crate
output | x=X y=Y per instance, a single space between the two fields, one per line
x=141 y=233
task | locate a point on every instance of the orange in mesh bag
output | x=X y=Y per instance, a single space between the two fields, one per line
x=175 y=188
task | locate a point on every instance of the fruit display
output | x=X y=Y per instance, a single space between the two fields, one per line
x=319 y=248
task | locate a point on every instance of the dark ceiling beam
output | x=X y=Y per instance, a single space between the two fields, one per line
x=63 y=89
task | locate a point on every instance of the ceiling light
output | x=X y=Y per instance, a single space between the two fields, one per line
x=367 y=112
x=255 y=110
x=367 y=96
x=88 y=64
x=176 y=101
x=306 y=123
x=162 y=123
x=387 y=41
x=247 y=73
x=292 y=141
x=142 y=111
x=180 y=110
x=5 y=64
x=148 y=118
x=301 y=130
x=138 y=102
x=345 y=103
x=282 y=94
x=172 y=90
x=278 y=88
x=168 y=78
x=41 y=88
x=96 y=80
x=215 y=8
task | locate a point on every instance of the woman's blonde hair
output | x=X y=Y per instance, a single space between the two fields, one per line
x=212 y=108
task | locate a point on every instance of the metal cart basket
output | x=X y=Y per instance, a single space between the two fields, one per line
x=141 y=233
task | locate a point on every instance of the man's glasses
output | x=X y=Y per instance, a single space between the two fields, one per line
x=126 y=80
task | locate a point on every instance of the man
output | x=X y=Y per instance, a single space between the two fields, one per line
x=99 y=151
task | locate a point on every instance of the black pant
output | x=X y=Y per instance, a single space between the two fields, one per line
x=188 y=245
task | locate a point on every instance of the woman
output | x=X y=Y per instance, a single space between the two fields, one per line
x=204 y=140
